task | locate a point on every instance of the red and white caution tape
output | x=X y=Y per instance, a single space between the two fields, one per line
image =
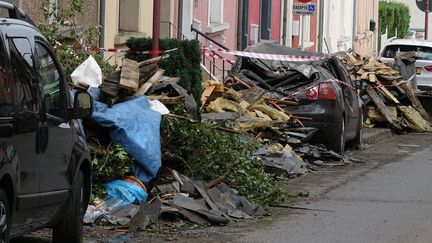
x=118 y=50
x=213 y=55
x=286 y=58
x=317 y=85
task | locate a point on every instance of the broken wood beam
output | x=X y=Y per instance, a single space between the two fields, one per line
x=381 y=106
x=406 y=87
x=153 y=80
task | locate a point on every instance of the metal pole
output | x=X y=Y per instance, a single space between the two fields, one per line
x=303 y=27
x=427 y=8
x=321 y=26
x=156 y=26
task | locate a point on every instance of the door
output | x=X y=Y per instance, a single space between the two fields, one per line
x=26 y=124
x=351 y=101
x=266 y=16
x=245 y=24
x=55 y=179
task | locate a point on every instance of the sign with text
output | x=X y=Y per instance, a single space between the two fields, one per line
x=304 y=9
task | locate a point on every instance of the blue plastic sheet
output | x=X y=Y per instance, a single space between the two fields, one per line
x=137 y=128
x=121 y=193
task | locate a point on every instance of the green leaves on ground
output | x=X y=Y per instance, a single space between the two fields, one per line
x=207 y=153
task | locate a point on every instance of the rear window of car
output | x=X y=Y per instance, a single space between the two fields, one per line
x=422 y=52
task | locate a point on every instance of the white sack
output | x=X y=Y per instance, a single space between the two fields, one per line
x=88 y=73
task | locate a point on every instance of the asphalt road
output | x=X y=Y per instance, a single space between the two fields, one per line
x=390 y=204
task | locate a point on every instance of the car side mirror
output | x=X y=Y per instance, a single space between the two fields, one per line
x=83 y=105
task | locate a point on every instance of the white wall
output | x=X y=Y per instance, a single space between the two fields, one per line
x=417 y=16
x=338 y=25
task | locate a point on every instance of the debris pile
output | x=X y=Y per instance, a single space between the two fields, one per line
x=389 y=97
x=177 y=197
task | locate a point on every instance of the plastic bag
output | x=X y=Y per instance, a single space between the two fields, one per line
x=88 y=73
x=120 y=192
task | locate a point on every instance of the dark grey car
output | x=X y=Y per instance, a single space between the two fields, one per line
x=45 y=173
x=323 y=90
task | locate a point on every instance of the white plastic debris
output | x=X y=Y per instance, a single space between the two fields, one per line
x=88 y=73
x=156 y=105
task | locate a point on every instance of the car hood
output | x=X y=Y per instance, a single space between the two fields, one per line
x=272 y=67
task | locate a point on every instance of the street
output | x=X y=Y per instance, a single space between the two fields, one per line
x=384 y=197
x=390 y=204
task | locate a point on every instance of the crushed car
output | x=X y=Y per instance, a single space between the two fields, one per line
x=325 y=93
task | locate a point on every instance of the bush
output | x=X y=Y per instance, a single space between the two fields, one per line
x=75 y=49
x=207 y=153
x=184 y=63
x=395 y=17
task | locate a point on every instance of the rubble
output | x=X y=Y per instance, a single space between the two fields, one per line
x=385 y=90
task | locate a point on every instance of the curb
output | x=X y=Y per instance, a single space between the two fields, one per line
x=374 y=135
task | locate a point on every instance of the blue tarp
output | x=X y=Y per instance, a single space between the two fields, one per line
x=137 y=128
x=121 y=193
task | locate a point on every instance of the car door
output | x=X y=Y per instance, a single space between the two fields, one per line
x=55 y=179
x=26 y=122
x=351 y=101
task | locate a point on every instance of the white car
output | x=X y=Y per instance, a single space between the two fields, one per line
x=423 y=50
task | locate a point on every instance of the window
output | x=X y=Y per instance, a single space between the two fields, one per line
x=49 y=77
x=421 y=52
x=215 y=13
x=25 y=85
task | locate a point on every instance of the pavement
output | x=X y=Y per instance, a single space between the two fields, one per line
x=386 y=200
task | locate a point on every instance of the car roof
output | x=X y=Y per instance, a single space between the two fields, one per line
x=427 y=43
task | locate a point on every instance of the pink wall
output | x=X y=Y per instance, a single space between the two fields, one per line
x=227 y=37
x=254 y=12
x=276 y=20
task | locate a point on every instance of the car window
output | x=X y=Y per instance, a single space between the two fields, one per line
x=6 y=97
x=422 y=52
x=49 y=76
x=25 y=85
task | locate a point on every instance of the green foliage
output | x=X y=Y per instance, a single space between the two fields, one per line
x=208 y=153
x=183 y=63
x=74 y=49
x=115 y=165
x=395 y=17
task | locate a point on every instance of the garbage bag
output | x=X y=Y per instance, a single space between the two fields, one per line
x=136 y=127
x=88 y=73
x=121 y=192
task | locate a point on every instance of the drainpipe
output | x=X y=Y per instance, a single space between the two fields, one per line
x=354 y=21
x=284 y=25
x=102 y=22
x=321 y=26
x=156 y=26
x=239 y=24
x=180 y=20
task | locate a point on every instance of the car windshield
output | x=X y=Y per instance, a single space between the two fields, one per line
x=422 y=52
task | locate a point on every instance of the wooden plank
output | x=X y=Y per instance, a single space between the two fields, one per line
x=251 y=96
x=406 y=87
x=372 y=78
x=206 y=94
x=153 y=80
x=388 y=94
x=153 y=60
x=147 y=68
x=167 y=100
x=129 y=77
x=282 y=102
x=381 y=106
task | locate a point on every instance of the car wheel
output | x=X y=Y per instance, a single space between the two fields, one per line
x=4 y=218
x=70 y=228
x=357 y=141
x=338 y=145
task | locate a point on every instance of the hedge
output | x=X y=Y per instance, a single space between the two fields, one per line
x=395 y=17
x=184 y=62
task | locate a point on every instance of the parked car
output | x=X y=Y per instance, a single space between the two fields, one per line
x=45 y=173
x=323 y=90
x=423 y=57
